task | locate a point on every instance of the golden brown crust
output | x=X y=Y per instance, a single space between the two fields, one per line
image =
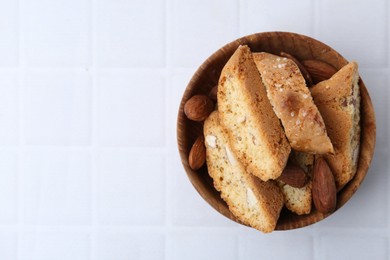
x=252 y=201
x=338 y=100
x=255 y=132
x=293 y=104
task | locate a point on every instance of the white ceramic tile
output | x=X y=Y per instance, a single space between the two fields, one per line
x=176 y=86
x=130 y=188
x=89 y=160
x=56 y=187
x=206 y=245
x=130 y=109
x=352 y=33
x=8 y=245
x=54 y=244
x=56 y=33
x=199 y=28
x=377 y=83
x=130 y=245
x=9 y=108
x=334 y=247
x=131 y=33
x=8 y=187
x=188 y=207
x=262 y=16
x=57 y=108
x=9 y=31
x=277 y=245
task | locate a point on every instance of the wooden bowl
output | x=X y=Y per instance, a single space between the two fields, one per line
x=206 y=77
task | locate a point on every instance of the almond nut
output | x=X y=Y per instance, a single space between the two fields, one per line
x=324 y=187
x=294 y=176
x=198 y=107
x=319 y=70
x=197 y=156
x=304 y=72
x=213 y=93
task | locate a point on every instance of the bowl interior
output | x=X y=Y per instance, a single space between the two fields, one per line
x=206 y=77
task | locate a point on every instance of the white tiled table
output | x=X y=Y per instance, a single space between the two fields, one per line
x=89 y=92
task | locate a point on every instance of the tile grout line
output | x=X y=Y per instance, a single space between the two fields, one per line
x=167 y=32
x=166 y=74
x=168 y=80
x=388 y=247
x=316 y=247
x=94 y=129
x=237 y=245
x=130 y=70
x=387 y=26
x=385 y=150
x=132 y=149
x=21 y=80
x=387 y=78
x=231 y=230
x=142 y=71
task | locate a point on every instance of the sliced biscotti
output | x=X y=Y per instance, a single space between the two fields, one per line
x=293 y=104
x=252 y=201
x=255 y=133
x=299 y=200
x=338 y=100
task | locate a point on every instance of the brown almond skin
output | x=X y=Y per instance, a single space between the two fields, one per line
x=319 y=70
x=198 y=107
x=213 y=93
x=294 y=176
x=197 y=156
x=304 y=72
x=324 y=187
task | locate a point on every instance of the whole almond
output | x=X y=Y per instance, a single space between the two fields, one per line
x=302 y=68
x=294 y=176
x=198 y=107
x=213 y=93
x=324 y=187
x=319 y=70
x=197 y=156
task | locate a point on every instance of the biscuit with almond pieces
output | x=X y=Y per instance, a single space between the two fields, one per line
x=256 y=135
x=252 y=201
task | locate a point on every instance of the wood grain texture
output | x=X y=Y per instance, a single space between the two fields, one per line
x=206 y=77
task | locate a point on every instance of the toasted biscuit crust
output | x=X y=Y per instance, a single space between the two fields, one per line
x=255 y=133
x=293 y=104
